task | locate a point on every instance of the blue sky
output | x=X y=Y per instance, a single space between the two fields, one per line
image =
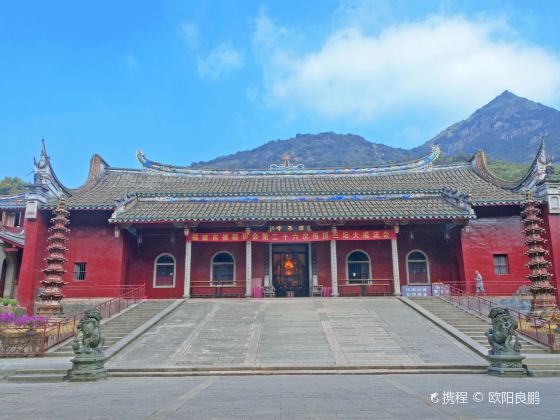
x=191 y=80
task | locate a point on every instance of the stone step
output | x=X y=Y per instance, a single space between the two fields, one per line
x=466 y=317
x=37 y=375
x=292 y=372
x=544 y=372
x=470 y=324
x=68 y=353
x=525 y=347
x=120 y=326
x=35 y=378
x=303 y=370
x=68 y=348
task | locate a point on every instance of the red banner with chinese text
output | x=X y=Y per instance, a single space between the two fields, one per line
x=311 y=236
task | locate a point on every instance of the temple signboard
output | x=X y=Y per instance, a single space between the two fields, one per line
x=290 y=228
x=305 y=236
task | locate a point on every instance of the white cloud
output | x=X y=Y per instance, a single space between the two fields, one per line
x=131 y=62
x=221 y=60
x=443 y=63
x=190 y=34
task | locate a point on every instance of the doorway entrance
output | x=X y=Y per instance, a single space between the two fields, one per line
x=290 y=269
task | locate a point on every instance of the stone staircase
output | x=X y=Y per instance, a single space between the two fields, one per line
x=37 y=375
x=119 y=326
x=470 y=324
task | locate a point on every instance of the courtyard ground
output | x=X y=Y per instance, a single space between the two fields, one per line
x=290 y=397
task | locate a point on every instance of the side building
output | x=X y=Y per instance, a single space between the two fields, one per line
x=12 y=241
x=301 y=232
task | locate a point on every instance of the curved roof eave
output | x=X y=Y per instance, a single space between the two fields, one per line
x=97 y=168
x=422 y=163
x=480 y=165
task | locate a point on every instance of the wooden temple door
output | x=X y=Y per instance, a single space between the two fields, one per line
x=290 y=269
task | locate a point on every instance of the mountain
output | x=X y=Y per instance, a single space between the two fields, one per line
x=322 y=150
x=508 y=128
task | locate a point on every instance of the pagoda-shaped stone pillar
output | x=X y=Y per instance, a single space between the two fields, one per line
x=56 y=259
x=543 y=304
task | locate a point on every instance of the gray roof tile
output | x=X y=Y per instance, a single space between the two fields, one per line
x=116 y=184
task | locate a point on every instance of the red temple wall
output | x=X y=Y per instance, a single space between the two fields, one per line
x=202 y=254
x=552 y=226
x=113 y=261
x=489 y=236
x=379 y=253
x=93 y=241
x=141 y=258
x=257 y=256
x=323 y=263
x=441 y=253
x=33 y=259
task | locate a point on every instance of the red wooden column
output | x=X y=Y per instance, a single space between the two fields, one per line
x=35 y=236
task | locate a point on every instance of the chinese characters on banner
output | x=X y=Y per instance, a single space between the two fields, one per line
x=289 y=228
x=305 y=236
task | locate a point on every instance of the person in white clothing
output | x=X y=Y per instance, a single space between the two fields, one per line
x=479 y=284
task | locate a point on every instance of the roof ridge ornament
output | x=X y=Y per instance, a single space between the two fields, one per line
x=287 y=165
x=288 y=168
x=45 y=185
x=44 y=158
x=541 y=169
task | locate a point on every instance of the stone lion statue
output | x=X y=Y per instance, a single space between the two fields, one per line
x=88 y=340
x=502 y=335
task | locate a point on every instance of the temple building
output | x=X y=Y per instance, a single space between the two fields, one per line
x=12 y=240
x=288 y=230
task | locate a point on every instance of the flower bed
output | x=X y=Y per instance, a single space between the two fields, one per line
x=22 y=334
x=7 y=320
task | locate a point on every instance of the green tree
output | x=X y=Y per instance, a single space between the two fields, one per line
x=11 y=185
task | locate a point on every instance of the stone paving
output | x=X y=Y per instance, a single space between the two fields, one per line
x=294 y=332
x=281 y=397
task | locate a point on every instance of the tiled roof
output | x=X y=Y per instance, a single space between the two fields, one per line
x=13 y=236
x=142 y=210
x=12 y=201
x=115 y=184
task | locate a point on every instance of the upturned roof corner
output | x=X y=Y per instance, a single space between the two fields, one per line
x=46 y=185
x=97 y=169
x=541 y=170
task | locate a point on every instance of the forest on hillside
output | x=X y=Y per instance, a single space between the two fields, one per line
x=11 y=185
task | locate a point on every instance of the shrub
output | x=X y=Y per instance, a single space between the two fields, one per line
x=8 y=302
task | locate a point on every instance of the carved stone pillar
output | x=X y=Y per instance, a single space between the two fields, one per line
x=248 y=263
x=334 y=273
x=188 y=257
x=395 y=259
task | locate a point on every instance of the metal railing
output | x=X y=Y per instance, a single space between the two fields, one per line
x=24 y=341
x=493 y=287
x=541 y=331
